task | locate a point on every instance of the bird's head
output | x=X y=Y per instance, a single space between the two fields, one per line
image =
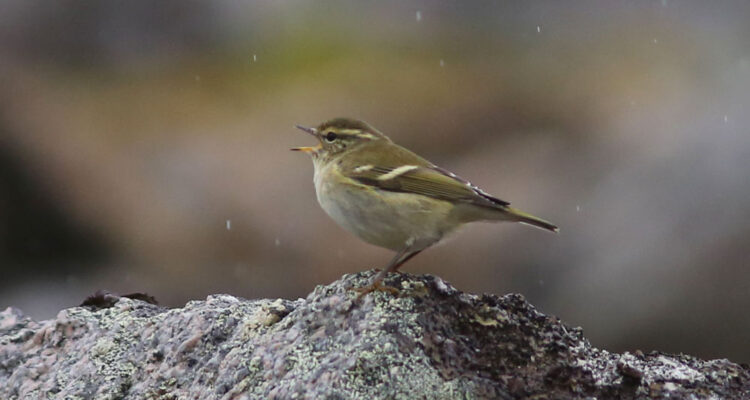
x=339 y=135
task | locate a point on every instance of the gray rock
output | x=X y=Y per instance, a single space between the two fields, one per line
x=429 y=342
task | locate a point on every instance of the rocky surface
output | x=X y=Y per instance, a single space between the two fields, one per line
x=431 y=342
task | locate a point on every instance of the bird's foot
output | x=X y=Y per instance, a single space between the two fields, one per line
x=376 y=286
x=392 y=272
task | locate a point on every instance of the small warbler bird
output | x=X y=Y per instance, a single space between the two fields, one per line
x=393 y=198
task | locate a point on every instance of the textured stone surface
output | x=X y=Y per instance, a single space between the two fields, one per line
x=431 y=342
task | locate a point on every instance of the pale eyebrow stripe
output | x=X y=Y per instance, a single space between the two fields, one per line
x=397 y=172
x=357 y=132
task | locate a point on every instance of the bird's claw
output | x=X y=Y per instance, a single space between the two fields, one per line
x=375 y=287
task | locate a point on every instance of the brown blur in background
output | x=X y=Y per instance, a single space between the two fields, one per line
x=144 y=147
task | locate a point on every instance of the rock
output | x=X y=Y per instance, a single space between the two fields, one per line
x=431 y=341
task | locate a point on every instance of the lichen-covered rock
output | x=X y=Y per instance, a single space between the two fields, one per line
x=429 y=342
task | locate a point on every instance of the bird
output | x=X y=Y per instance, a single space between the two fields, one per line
x=391 y=197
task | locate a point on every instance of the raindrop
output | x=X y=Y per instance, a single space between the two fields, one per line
x=255 y=58
x=726 y=118
x=655 y=41
x=229 y=224
x=442 y=63
x=197 y=78
x=277 y=242
x=538 y=29
x=419 y=16
x=578 y=208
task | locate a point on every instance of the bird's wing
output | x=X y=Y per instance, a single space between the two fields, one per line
x=425 y=180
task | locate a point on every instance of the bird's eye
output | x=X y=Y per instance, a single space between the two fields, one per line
x=330 y=136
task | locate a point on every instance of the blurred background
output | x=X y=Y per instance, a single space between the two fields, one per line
x=144 y=147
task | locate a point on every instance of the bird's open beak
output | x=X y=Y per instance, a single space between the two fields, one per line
x=305 y=149
x=311 y=131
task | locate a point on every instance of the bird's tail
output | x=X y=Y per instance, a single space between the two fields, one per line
x=528 y=219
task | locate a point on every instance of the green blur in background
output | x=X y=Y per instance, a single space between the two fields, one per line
x=144 y=147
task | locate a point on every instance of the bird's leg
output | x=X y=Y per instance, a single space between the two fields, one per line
x=375 y=284
x=397 y=261
x=405 y=259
